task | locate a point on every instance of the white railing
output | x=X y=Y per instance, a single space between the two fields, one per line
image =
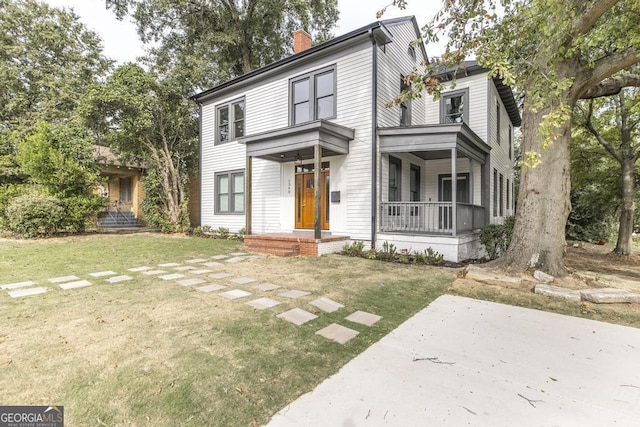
x=429 y=217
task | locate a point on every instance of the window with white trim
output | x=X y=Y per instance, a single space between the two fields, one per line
x=313 y=96
x=230 y=121
x=229 y=191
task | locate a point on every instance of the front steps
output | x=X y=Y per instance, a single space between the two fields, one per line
x=293 y=244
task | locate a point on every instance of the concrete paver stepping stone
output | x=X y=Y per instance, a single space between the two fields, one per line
x=63 y=279
x=185 y=268
x=363 y=318
x=153 y=272
x=169 y=264
x=173 y=276
x=211 y=288
x=103 y=273
x=220 y=275
x=202 y=271
x=189 y=282
x=294 y=294
x=218 y=257
x=139 y=269
x=235 y=294
x=265 y=287
x=297 y=316
x=196 y=260
x=117 y=279
x=26 y=292
x=211 y=264
x=77 y=284
x=235 y=260
x=338 y=333
x=263 y=303
x=244 y=280
x=238 y=253
x=326 y=304
x=18 y=285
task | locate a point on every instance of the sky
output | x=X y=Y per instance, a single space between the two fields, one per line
x=120 y=40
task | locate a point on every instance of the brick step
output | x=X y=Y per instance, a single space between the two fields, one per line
x=273 y=251
x=280 y=247
x=273 y=244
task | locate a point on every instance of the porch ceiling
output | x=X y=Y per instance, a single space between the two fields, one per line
x=431 y=142
x=297 y=142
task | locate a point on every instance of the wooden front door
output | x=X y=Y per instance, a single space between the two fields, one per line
x=305 y=199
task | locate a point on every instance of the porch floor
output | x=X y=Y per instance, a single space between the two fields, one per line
x=289 y=244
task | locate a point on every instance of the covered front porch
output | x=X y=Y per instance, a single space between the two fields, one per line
x=304 y=153
x=418 y=194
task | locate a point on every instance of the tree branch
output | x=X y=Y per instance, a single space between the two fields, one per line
x=585 y=22
x=605 y=68
x=612 y=86
x=589 y=126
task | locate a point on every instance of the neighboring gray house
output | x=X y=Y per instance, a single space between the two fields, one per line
x=307 y=143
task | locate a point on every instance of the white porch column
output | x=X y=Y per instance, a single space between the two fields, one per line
x=454 y=192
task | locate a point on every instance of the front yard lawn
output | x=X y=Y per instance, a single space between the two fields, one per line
x=153 y=352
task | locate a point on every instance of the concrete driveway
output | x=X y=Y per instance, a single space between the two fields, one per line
x=466 y=362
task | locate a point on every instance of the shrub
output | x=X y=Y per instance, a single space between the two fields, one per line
x=429 y=257
x=80 y=209
x=496 y=237
x=33 y=215
x=388 y=252
x=354 y=248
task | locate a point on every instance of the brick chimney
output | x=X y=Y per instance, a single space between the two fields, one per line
x=301 y=41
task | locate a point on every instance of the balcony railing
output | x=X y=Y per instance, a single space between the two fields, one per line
x=430 y=217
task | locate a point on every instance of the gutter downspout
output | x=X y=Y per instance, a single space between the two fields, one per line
x=374 y=138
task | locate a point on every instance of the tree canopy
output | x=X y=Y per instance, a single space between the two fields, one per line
x=209 y=42
x=556 y=52
x=47 y=59
x=144 y=116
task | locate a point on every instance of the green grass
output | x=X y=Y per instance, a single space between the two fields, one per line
x=148 y=352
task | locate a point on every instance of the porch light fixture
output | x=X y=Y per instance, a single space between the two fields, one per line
x=298 y=159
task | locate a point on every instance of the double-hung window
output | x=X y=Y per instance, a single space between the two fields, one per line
x=230 y=121
x=395 y=170
x=498 y=130
x=405 y=106
x=313 y=96
x=229 y=192
x=454 y=107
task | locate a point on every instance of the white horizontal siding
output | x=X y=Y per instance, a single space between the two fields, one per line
x=352 y=216
x=499 y=152
x=478 y=100
x=266 y=216
x=393 y=61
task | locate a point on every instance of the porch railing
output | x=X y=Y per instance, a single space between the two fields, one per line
x=429 y=217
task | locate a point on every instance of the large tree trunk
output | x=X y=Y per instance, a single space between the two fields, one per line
x=543 y=202
x=624 y=244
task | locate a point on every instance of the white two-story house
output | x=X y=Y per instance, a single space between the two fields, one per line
x=306 y=150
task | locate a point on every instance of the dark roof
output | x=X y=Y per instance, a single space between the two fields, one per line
x=382 y=36
x=469 y=68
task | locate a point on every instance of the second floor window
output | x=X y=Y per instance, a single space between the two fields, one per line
x=230 y=121
x=405 y=106
x=454 y=107
x=313 y=96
